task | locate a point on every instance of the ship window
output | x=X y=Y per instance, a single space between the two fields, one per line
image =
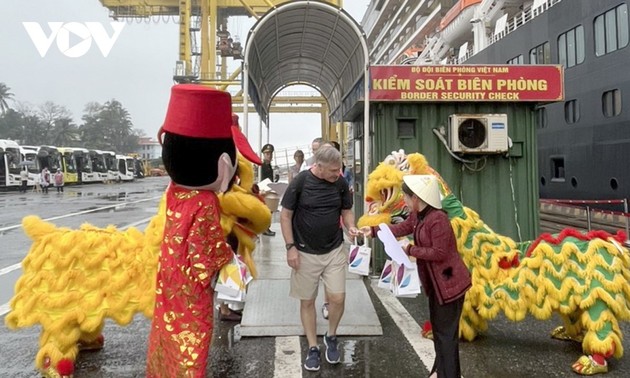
x=406 y=128
x=574 y=182
x=571 y=111
x=516 y=60
x=611 y=30
x=540 y=54
x=557 y=169
x=571 y=47
x=541 y=117
x=611 y=103
x=614 y=184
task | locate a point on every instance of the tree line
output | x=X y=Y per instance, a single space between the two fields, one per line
x=105 y=126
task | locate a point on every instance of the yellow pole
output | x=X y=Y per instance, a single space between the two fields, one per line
x=184 y=30
x=208 y=39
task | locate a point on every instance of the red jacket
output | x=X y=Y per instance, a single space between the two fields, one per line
x=441 y=268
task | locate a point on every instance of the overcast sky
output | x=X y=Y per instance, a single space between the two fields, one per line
x=137 y=71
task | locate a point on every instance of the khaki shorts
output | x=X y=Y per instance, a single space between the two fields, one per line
x=331 y=267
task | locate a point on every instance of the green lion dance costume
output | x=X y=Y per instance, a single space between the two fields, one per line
x=74 y=279
x=582 y=277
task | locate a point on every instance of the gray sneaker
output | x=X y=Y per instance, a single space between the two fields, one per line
x=312 y=359
x=332 y=351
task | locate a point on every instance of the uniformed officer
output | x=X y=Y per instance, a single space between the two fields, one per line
x=267 y=169
x=266 y=172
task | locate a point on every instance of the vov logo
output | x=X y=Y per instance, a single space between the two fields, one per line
x=74 y=39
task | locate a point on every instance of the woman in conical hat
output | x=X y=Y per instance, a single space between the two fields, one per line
x=443 y=274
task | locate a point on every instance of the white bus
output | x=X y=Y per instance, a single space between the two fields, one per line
x=31 y=162
x=112 y=165
x=125 y=167
x=99 y=165
x=85 y=174
x=10 y=159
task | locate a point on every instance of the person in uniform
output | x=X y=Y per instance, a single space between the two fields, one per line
x=266 y=172
x=267 y=169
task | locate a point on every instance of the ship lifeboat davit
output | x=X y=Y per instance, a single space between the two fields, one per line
x=455 y=25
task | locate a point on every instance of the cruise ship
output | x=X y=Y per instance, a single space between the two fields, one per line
x=584 y=141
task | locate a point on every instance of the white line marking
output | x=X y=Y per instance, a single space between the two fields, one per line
x=423 y=347
x=288 y=363
x=4 y=309
x=84 y=212
x=10 y=269
x=134 y=224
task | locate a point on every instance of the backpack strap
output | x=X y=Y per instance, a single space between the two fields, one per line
x=301 y=178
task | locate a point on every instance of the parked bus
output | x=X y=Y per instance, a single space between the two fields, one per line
x=112 y=165
x=10 y=159
x=99 y=165
x=83 y=163
x=68 y=165
x=125 y=167
x=138 y=166
x=31 y=162
x=49 y=157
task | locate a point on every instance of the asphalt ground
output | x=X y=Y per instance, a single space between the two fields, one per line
x=507 y=349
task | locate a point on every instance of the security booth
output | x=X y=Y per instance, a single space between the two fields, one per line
x=476 y=126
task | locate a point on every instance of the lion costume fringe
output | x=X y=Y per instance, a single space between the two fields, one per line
x=74 y=279
x=581 y=276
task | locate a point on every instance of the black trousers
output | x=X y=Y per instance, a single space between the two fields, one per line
x=445 y=325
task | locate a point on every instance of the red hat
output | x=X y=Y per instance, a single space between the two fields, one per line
x=201 y=112
x=242 y=144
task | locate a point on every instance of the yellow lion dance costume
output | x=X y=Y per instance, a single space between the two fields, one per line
x=73 y=279
x=582 y=277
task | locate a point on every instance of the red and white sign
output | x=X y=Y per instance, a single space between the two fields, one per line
x=540 y=83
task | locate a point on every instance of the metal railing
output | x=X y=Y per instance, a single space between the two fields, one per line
x=521 y=19
x=590 y=210
x=514 y=23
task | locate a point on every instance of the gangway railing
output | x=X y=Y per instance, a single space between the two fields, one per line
x=590 y=210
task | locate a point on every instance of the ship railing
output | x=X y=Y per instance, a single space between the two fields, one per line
x=590 y=210
x=522 y=18
x=462 y=58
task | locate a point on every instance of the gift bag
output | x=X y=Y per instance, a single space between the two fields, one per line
x=406 y=281
x=359 y=259
x=385 y=281
x=232 y=280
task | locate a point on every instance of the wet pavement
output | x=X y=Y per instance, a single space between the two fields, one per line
x=507 y=349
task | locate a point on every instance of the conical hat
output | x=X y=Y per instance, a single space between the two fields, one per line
x=426 y=187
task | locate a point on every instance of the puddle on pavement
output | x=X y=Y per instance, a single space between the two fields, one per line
x=349 y=350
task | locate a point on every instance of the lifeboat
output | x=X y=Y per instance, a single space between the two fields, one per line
x=455 y=25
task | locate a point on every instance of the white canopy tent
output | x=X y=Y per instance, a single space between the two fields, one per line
x=310 y=43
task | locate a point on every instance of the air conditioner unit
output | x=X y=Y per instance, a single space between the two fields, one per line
x=478 y=133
